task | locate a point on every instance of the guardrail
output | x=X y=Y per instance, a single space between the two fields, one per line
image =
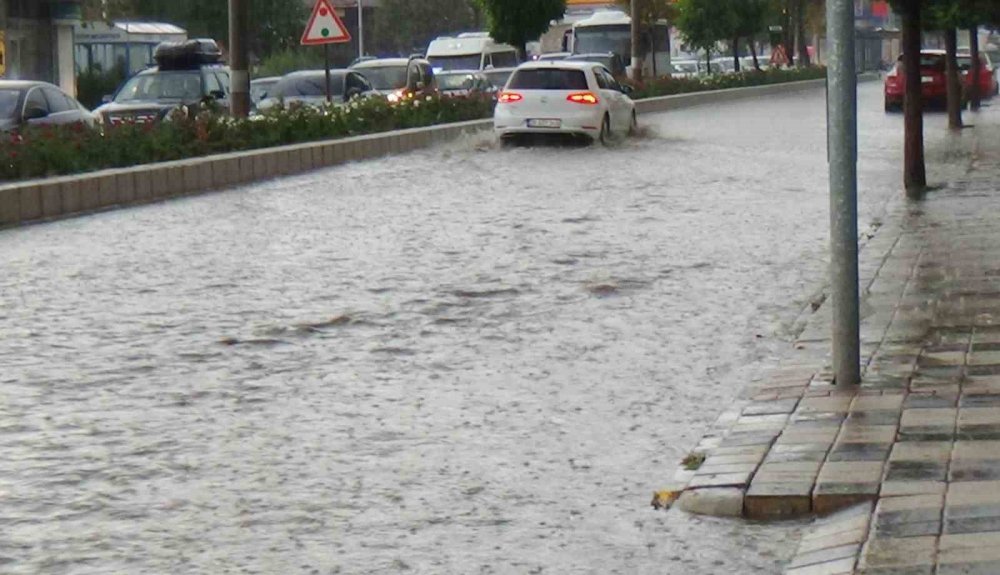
x=53 y=198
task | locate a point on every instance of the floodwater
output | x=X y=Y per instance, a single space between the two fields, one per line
x=463 y=360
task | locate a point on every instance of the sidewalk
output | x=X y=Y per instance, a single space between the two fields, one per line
x=917 y=447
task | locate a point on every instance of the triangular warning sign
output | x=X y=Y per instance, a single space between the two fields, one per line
x=325 y=27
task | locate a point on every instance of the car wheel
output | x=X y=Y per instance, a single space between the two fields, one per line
x=633 y=127
x=605 y=136
x=892 y=106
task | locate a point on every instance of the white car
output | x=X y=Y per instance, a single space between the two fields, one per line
x=577 y=98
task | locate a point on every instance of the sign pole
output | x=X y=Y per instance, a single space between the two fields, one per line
x=326 y=67
x=325 y=28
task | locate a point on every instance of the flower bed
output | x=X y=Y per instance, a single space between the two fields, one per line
x=667 y=86
x=41 y=151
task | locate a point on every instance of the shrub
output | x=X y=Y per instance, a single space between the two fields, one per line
x=94 y=84
x=40 y=151
x=667 y=86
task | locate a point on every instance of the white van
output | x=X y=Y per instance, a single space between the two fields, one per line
x=470 y=51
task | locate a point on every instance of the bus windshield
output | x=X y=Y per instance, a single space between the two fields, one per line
x=615 y=38
x=463 y=62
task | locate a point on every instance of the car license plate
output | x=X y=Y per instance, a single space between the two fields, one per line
x=544 y=123
x=927 y=79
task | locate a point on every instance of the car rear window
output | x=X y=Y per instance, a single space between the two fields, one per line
x=548 y=79
x=932 y=61
x=309 y=85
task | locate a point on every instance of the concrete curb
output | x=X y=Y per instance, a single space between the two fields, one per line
x=67 y=196
x=52 y=198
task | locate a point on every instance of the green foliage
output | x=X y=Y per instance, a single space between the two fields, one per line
x=404 y=27
x=668 y=86
x=291 y=60
x=54 y=150
x=93 y=85
x=274 y=26
x=705 y=22
x=518 y=22
x=750 y=18
x=650 y=11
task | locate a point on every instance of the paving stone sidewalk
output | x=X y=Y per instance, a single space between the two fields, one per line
x=915 y=450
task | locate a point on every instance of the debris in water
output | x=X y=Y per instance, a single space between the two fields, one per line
x=664 y=499
x=693 y=461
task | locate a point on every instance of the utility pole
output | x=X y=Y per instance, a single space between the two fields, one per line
x=361 y=29
x=239 y=24
x=636 y=43
x=842 y=141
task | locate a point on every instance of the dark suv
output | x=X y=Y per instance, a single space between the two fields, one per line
x=186 y=73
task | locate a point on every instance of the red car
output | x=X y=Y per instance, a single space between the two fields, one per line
x=932 y=79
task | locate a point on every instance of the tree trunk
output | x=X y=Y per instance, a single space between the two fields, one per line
x=736 y=54
x=800 y=32
x=708 y=61
x=753 y=52
x=975 y=98
x=953 y=79
x=914 y=170
x=788 y=30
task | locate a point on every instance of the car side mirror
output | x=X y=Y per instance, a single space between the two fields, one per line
x=217 y=94
x=627 y=90
x=107 y=99
x=421 y=85
x=35 y=114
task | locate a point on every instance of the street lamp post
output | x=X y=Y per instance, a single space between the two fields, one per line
x=842 y=142
x=361 y=29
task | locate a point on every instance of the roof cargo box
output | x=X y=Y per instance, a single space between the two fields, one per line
x=187 y=54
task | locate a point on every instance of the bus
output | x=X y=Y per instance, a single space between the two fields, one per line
x=611 y=31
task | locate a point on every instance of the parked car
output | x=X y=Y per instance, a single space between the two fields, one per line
x=609 y=60
x=987 y=81
x=260 y=87
x=186 y=73
x=934 y=87
x=553 y=56
x=499 y=76
x=38 y=103
x=465 y=83
x=309 y=88
x=398 y=78
x=685 y=68
x=560 y=97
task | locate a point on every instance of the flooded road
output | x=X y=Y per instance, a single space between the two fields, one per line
x=463 y=360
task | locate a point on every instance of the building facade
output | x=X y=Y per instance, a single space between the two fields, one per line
x=37 y=41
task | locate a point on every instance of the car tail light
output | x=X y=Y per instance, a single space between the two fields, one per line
x=583 y=98
x=510 y=97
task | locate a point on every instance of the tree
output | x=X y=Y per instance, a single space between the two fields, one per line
x=751 y=20
x=914 y=168
x=651 y=12
x=403 y=26
x=517 y=22
x=276 y=26
x=704 y=22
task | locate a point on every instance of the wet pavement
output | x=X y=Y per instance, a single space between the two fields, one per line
x=464 y=360
x=917 y=441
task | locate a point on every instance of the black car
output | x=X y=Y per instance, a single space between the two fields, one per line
x=309 y=88
x=38 y=103
x=187 y=73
